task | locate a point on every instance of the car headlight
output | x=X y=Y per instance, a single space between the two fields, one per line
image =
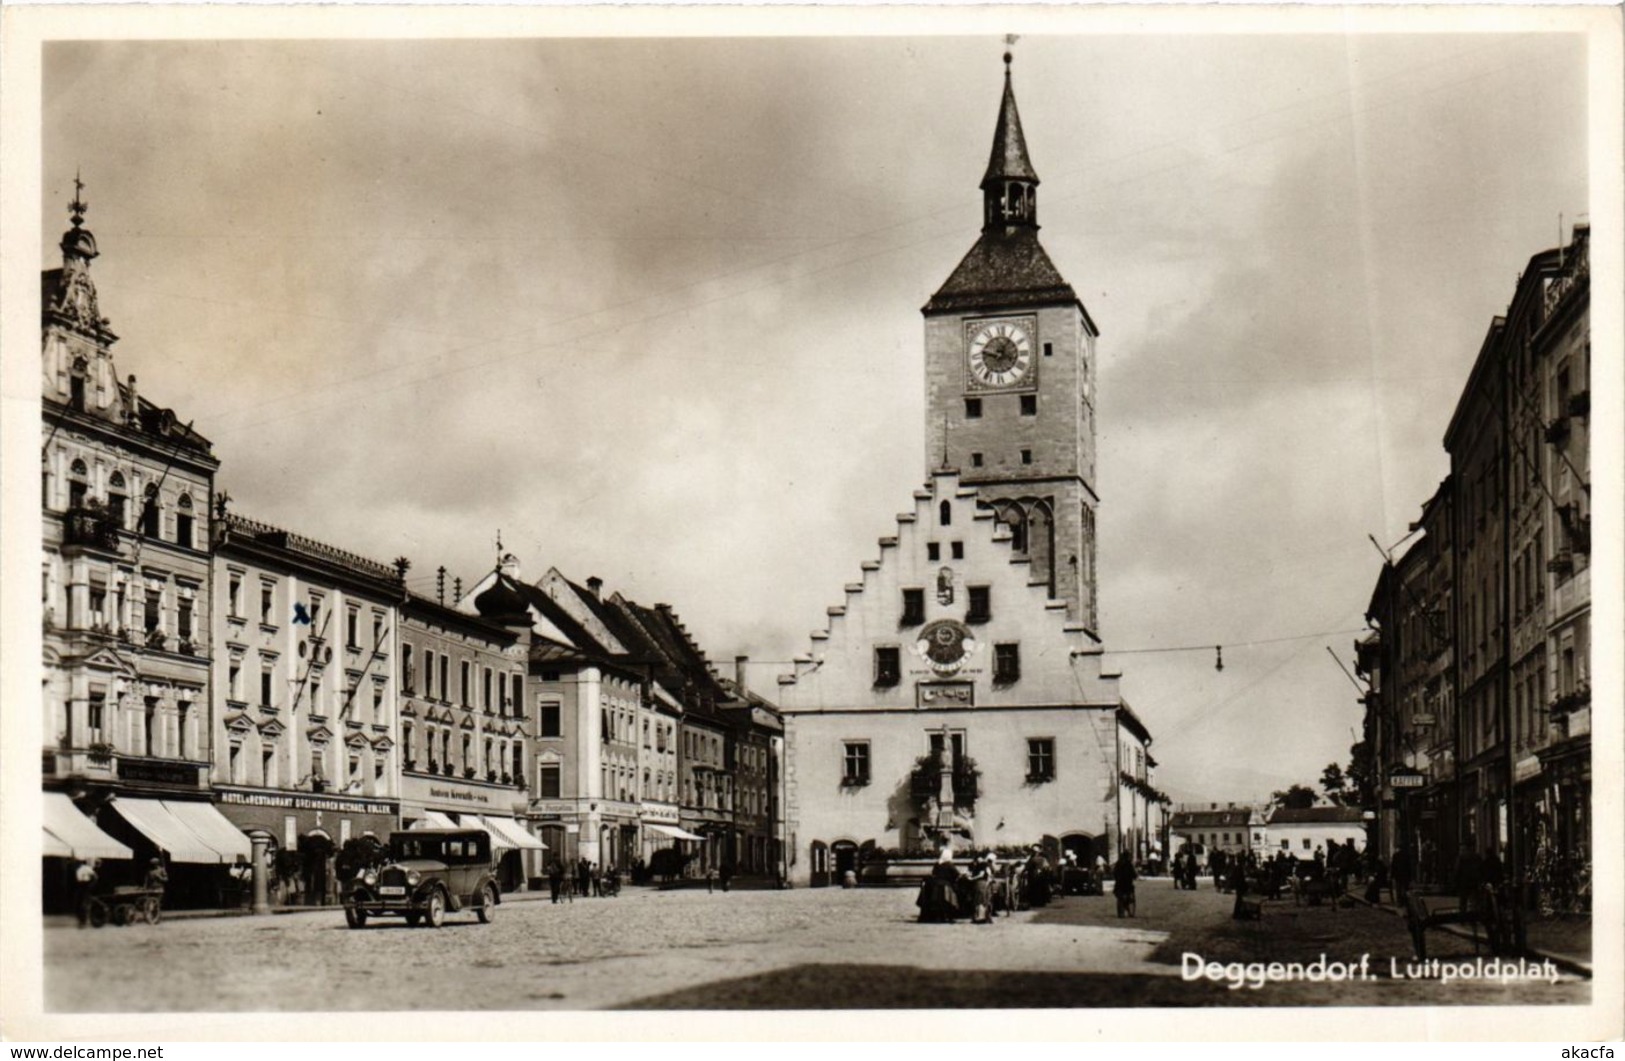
x=369 y=878
x=412 y=877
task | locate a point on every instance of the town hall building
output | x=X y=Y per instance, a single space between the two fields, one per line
x=957 y=696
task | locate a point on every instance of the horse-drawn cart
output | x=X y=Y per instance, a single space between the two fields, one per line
x=125 y=905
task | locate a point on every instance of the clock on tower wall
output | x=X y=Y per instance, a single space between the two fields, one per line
x=1009 y=365
x=999 y=354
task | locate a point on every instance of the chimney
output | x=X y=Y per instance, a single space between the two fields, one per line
x=739 y=674
x=596 y=586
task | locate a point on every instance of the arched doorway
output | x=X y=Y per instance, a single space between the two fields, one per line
x=1083 y=847
x=818 y=862
x=844 y=855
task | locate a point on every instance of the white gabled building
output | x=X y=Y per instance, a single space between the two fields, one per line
x=946 y=645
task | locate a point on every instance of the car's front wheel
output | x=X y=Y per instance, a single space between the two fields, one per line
x=355 y=917
x=488 y=904
x=435 y=915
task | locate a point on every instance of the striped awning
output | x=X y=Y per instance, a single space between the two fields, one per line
x=168 y=832
x=514 y=833
x=213 y=828
x=672 y=831
x=69 y=834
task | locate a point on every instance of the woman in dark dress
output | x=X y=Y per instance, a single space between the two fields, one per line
x=939 y=895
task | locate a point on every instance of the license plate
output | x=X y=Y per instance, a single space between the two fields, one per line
x=388 y=890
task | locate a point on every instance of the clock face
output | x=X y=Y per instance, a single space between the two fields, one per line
x=1001 y=353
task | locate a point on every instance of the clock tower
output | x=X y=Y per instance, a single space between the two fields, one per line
x=1009 y=381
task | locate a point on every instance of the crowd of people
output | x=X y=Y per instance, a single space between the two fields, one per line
x=581 y=878
x=988 y=885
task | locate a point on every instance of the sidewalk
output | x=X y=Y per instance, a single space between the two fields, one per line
x=1564 y=941
x=69 y=920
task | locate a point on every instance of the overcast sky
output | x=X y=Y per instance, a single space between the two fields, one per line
x=651 y=308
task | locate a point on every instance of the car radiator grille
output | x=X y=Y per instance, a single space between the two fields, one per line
x=392 y=877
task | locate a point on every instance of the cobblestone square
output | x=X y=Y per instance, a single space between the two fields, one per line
x=800 y=949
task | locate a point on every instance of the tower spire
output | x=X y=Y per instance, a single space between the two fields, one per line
x=77 y=208
x=1010 y=185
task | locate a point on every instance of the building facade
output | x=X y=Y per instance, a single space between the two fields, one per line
x=126 y=496
x=1480 y=664
x=463 y=739
x=306 y=723
x=1200 y=832
x=1304 y=832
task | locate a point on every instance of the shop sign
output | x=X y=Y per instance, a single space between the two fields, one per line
x=554 y=808
x=1423 y=721
x=665 y=814
x=455 y=794
x=157 y=773
x=305 y=801
x=1407 y=779
x=1524 y=769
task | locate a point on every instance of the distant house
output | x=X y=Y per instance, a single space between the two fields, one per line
x=1201 y=832
x=1303 y=831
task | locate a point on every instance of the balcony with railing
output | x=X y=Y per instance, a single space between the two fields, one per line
x=90 y=528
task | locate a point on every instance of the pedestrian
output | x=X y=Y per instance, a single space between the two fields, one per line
x=981 y=880
x=157 y=878
x=84 y=887
x=555 y=879
x=583 y=877
x=597 y=881
x=710 y=879
x=1123 y=885
x=726 y=875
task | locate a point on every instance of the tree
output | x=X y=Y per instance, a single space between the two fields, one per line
x=1334 y=784
x=1298 y=797
x=1361 y=776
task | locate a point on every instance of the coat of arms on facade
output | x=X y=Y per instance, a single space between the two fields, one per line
x=946 y=646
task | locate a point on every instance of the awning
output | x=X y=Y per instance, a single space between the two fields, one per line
x=514 y=833
x=672 y=831
x=214 y=829
x=499 y=843
x=55 y=848
x=433 y=819
x=81 y=836
x=171 y=834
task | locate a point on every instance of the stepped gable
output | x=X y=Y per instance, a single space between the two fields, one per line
x=946 y=485
x=683 y=657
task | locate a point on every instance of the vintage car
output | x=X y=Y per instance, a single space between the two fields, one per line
x=429 y=872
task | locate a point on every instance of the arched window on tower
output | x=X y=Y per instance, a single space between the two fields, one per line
x=945 y=514
x=1016 y=520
